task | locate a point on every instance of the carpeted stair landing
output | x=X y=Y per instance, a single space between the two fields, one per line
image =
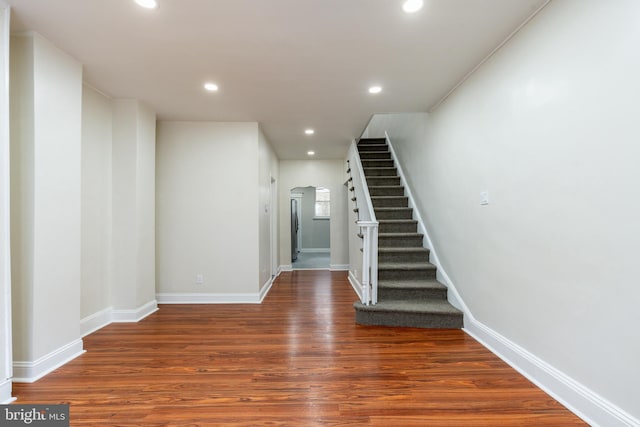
x=408 y=293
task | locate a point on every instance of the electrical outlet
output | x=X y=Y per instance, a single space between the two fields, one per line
x=484 y=198
x=199 y=279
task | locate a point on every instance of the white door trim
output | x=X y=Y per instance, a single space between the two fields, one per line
x=273 y=226
x=6 y=358
x=298 y=198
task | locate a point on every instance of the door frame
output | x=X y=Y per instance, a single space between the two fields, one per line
x=298 y=197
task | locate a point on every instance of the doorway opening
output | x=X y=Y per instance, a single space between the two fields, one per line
x=310 y=228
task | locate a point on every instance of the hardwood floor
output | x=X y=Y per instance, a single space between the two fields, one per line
x=296 y=359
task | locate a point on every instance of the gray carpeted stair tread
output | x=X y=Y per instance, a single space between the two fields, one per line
x=389 y=201
x=377 y=162
x=398 y=221
x=387 y=197
x=372 y=141
x=406 y=266
x=408 y=250
x=428 y=306
x=370 y=155
x=411 y=290
x=390 y=209
x=383 y=188
x=411 y=284
x=380 y=172
x=371 y=147
x=400 y=235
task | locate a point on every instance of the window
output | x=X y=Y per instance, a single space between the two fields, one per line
x=323 y=203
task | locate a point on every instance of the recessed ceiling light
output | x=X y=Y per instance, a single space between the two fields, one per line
x=412 y=6
x=309 y=131
x=375 y=89
x=211 y=87
x=148 y=4
x=311 y=153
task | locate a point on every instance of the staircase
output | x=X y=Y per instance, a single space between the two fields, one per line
x=408 y=293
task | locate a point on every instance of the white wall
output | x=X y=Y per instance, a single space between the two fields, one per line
x=133 y=189
x=46 y=132
x=268 y=170
x=6 y=351
x=97 y=123
x=549 y=127
x=315 y=173
x=146 y=205
x=207 y=191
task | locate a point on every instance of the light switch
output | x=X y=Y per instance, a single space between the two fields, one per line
x=484 y=198
x=199 y=279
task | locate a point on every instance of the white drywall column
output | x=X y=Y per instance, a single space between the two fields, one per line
x=46 y=103
x=267 y=170
x=133 y=174
x=97 y=129
x=6 y=369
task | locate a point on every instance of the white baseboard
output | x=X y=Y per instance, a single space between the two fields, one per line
x=5 y=392
x=278 y=271
x=266 y=288
x=28 y=372
x=217 y=298
x=96 y=321
x=136 y=314
x=207 y=298
x=355 y=284
x=582 y=401
x=109 y=315
x=339 y=267
x=286 y=267
x=315 y=250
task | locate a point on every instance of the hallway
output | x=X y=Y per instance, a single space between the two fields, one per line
x=311 y=260
x=296 y=359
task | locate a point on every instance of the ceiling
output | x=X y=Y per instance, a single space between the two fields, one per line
x=287 y=64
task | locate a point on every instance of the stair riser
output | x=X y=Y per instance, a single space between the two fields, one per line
x=392 y=294
x=386 y=163
x=426 y=274
x=386 y=191
x=380 y=172
x=375 y=155
x=410 y=227
x=394 y=214
x=400 y=242
x=410 y=320
x=373 y=181
x=392 y=202
x=367 y=148
x=369 y=141
x=403 y=257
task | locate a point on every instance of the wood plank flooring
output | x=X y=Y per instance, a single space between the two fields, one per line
x=298 y=359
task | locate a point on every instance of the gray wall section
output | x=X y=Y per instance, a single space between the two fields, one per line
x=315 y=232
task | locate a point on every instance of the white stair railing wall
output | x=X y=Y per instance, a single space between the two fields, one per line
x=368 y=226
